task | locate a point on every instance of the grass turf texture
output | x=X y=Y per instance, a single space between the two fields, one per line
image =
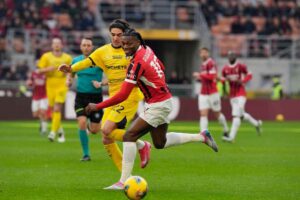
x=254 y=167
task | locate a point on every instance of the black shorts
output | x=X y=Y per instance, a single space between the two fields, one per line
x=82 y=100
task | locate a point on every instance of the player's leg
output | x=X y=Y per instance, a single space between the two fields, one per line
x=114 y=127
x=43 y=107
x=60 y=98
x=110 y=145
x=203 y=106
x=236 y=119
x=51 y=102
x=247 y=117
x=215 y=102
x=83 y=136
x=36 y=112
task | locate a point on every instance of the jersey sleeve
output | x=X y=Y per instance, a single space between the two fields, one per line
x=69 y=59
x=223 y=75
x=43 y=62
x=97 y=58
x=248 y=75
x=134 y=72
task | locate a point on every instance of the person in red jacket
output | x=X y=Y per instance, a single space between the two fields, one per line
x=147 y=72
x=209 y=98
x=238 y=75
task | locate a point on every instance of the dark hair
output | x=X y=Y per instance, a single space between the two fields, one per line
x=205 y=49
x=87 y=38
x=137 y=35
x=119 y=23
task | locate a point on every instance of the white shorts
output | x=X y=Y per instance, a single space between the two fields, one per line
x=156 y=114
x=238 y=106
x=41 y=104
x=212 y=101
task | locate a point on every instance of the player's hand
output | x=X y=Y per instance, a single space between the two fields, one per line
x=91 y=107
x=97 y=84
x=65 y=68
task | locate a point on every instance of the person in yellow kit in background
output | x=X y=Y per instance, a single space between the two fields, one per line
x=55 y=85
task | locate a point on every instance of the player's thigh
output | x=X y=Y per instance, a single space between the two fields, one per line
x=43 y=104
x=34 y=106
x=60 y=95
x=203 y=102
x=51 y=93
x=215 y=102
x=236 y=110
x=242 y=102
x=118 y=116
x=137 y=129
x=130 y=109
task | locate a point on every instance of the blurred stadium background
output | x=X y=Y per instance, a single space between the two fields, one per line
x=265 y=34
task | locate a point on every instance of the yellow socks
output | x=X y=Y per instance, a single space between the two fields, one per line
x=56 y=120
x=115 y=153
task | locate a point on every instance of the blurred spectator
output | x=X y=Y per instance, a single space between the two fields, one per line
x=249 y=9
x=269 y=27
x=237 y=27
x=249 y=26
x=174 y=79
x=183 y=18
x=5 y=59
x=284 y=26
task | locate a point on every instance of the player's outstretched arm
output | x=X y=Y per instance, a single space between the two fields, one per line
x=84 y=64
x=121 y=96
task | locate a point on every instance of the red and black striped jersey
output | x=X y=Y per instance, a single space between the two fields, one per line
x=208 y=77
x=237 y=75
x=147 y=71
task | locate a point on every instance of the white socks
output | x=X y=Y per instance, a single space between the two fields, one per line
x=181 y=138
x=140 y=144
x=236 y=122
x=129 y=153
x=44 y=126
x=203 y=123
x=222 y=121
x=250 y=119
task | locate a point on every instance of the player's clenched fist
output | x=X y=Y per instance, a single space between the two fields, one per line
x=92 y=107
x=65 y=68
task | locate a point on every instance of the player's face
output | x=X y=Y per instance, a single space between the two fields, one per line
x=232 y=58
x=204 y=54
x=116 y=34
x=86 y=46
x=130 y=44
x=57 y=44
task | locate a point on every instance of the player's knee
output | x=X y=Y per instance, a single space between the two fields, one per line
x=106 y=140
x=159 y=144
x=93 y=130
x=129 y=137
x=106 y=131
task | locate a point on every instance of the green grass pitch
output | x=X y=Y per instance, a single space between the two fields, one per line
x=254 y=167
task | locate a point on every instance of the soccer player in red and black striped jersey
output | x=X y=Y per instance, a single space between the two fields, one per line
x=238 y=75
x=147 y=72
x=209 y=98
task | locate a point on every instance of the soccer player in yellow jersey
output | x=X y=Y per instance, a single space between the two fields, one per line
x=112 y=60
x=55 y=84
